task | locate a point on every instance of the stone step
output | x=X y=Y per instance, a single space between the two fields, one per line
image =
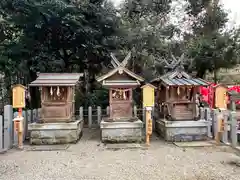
x=183 y=110
x=195 y=144
x=2 y=151
x=57 y=147
x=184 y=116
x=119 y=146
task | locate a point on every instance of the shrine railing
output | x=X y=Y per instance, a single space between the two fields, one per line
x=8 y=138
x=227 y=123
x=230 y=126
x=92 y=116
x=224 y=126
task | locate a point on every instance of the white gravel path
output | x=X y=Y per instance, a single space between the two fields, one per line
x=89 y=160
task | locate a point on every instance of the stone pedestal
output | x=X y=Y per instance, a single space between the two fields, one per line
x=177 y=131
x=121 y=131
x=55 y=133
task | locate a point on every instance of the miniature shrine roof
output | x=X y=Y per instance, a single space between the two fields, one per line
x=120 y=82
x=57 y=79
x=119 y=68
x=180 y=78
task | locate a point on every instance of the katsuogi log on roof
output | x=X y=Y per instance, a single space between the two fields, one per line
x=120 y=75
x=179 y=78
x=176 y=76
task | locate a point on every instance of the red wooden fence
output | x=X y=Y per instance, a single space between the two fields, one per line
x=207 y=93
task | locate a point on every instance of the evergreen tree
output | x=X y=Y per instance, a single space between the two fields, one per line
x=210 y=47
x=56 y=36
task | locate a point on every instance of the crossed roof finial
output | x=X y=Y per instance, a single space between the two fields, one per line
x=175 y=63
x=119 y=67
x=116 y=63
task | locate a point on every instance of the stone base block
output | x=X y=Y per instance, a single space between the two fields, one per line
x=177 y=131
x=121 y=131
x=55 y=133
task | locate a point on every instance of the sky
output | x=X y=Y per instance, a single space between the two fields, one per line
x=232 y=6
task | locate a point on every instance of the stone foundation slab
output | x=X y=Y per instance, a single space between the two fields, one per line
x=177 y=131
x=117 y=132
x=55 y=133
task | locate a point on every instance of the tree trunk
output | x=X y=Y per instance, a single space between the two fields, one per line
x=215 y=75
x=35 y=95
x=200 y=73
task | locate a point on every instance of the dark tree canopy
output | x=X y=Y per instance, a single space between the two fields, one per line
x=78 y=36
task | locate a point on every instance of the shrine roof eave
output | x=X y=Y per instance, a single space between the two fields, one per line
x=182 y=82
x=184 y=85
x=50 y=85
x=38 y=83
x=118 y=70
x=56 y=79
x=122 y=84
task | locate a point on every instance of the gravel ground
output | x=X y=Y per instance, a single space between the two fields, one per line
x=89 y=160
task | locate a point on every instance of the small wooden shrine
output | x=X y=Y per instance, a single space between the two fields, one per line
x=57 y=122
x=177 y=97
x=177 y=93
x=120 y=81
x=57 y=96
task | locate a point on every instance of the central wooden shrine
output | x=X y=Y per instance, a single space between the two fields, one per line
x=121 y=126
x=57 y=123
x=178 y=104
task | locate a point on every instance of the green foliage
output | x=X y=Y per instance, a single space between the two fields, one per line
x=98 y=97
x=61 y=36
x=195 y=7
x=207 y=17
x=215 y=53
x=146 y=32
x=55 y=36
x=78 y=36
x=208 y=46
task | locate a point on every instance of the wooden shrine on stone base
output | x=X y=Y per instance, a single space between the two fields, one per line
x=178 y=104
x=57 y=123
x=121 y=126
